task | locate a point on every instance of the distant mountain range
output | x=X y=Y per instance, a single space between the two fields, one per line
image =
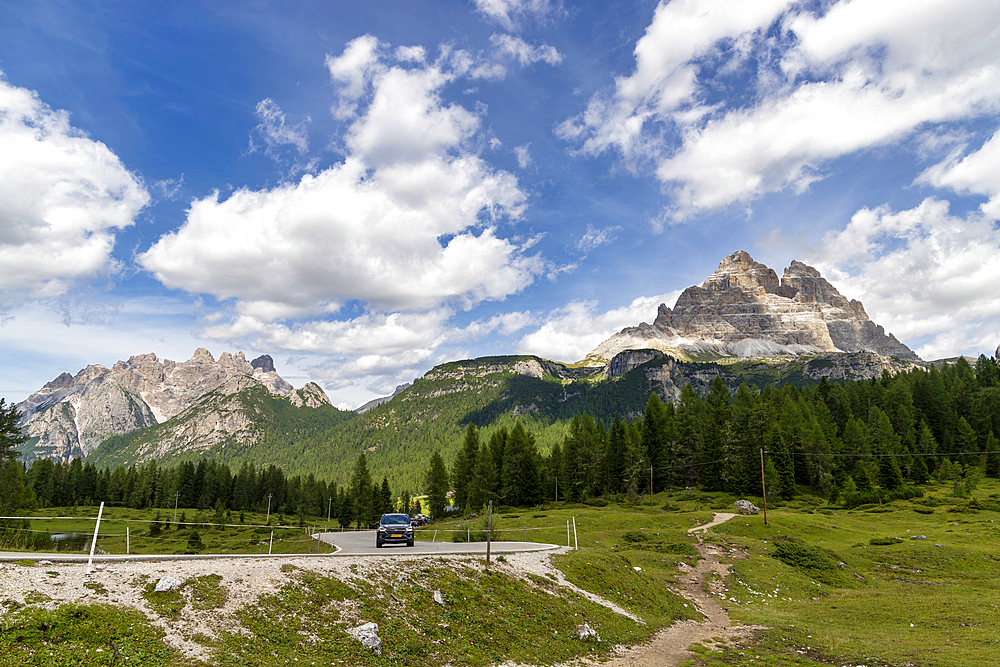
x=742 y=324
x=73 y=414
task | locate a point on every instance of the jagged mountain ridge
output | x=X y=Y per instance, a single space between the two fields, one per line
x=744 y=310
x=71 y=415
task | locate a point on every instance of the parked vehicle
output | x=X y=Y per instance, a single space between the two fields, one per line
x=394 y=528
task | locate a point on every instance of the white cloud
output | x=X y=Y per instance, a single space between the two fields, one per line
x=275 y=132
x=354 y=69
x=976 y=173
x=921 y=273
x=62 y=195
x=863 y=74
x=523 y=155
x=569 y=333
x=415 y=54
x=524 y=53
x=509 y=12
x=405 y=230
x=594 y=238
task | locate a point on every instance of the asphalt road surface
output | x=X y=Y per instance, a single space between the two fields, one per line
x=362 y=543
x=353 y=543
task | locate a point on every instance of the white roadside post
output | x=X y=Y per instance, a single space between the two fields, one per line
x=576 y=542
x=93 y=542
x=270 y=544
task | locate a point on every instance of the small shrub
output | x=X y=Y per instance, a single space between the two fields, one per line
x=883 y=541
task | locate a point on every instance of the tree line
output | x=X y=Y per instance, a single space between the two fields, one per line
x=206 y=485
x=855 y=442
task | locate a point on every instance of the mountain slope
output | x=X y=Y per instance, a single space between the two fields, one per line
x=240 y=420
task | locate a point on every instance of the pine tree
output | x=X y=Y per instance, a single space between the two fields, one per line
x=11 y=436
x=521 y=478
x=463 y=467
x=385 y=497
x=436 y=485
x=362 y=499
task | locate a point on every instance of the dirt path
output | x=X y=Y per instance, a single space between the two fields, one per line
x=669 y=646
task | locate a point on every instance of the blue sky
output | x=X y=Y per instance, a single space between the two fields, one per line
x=365 y=192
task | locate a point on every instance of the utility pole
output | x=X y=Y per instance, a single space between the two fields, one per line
x=763 y=487
x=268 y=509
x=329 y=505
x=176 y=498
x=650 y=489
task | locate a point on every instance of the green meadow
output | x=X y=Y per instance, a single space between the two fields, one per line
x=913 y=582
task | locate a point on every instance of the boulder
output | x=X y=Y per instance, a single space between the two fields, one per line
x=367 y=634
x=746 y=507
x=167 y=583
x=585 y=632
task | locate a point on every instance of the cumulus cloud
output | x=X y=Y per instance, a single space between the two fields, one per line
x=922 y=273
x=62 y=195
x=975 y=173
x=509 y=12
x=405 y=230
x=858 y=75
x=526 y=54
x=570 y=332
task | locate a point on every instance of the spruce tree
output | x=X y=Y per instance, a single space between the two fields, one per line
x=436 y=485
x=362 y=499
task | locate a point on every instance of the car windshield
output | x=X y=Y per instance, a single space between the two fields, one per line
x=395 y=520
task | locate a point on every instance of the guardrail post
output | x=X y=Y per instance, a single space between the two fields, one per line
x=93 y=542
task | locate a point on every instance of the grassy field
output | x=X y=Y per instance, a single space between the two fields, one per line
x=909 y=583
x=125 y=530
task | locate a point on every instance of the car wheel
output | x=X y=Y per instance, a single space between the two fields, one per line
x=378 y=544
x=410 y=543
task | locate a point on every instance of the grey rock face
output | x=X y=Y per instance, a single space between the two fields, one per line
x=264 y=362
x=310 y=396
x=745 y=310
x=71 y=415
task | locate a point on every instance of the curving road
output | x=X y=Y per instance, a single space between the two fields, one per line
x=354 y=543
x=362 y=543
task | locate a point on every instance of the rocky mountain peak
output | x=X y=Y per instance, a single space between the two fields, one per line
x=744 y=310
x=739 y=270
x=71 y=415
x=202 y=355
x=264 y=362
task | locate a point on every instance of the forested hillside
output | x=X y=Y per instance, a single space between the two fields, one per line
x=854 y=442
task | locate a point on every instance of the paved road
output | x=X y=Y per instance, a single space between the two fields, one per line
x=354 y=543
x=362 y=543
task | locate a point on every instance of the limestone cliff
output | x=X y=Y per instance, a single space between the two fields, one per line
x=71 y=415
x=745 y=310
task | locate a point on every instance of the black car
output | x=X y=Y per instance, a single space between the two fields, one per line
x=394 y=528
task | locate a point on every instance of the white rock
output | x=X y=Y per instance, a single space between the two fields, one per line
x=167 y=583
x=585 y=632
x=367 y=634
